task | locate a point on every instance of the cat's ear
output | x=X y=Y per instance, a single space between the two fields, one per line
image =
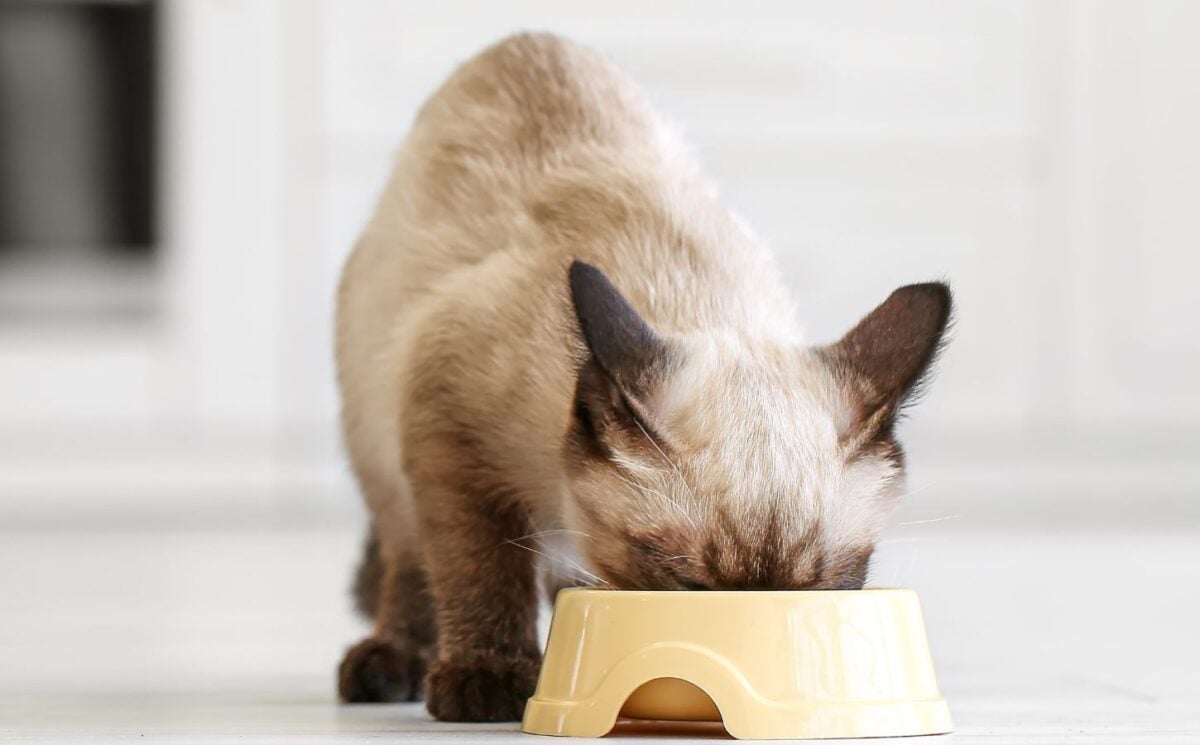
x=626 y=359
x=886 y=359
x=622 y=343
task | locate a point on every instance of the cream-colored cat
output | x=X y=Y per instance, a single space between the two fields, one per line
x=553 y=341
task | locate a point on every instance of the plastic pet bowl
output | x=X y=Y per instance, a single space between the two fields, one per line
x=769 y=665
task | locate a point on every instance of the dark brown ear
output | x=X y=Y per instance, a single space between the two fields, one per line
x=626 y=359
x=622 y=343
x=888 y=355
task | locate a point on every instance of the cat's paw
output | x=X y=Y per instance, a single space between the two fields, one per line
x=483 y=689
x=381 y=670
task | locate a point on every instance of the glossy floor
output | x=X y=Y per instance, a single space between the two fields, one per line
x=218 y=637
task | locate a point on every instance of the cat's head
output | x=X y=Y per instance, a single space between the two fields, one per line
x=716 y=461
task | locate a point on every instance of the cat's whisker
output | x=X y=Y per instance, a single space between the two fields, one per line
x=586 y=573
x=670 y=462
x=647 y=490
x=664 y=497
x=917 y=490
x=893 y=541
x=589 y=575
x=629 y=464
x=552 y=531
x=942 y=519
x=558 y=560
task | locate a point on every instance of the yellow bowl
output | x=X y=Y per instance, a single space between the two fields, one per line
x=769 y=665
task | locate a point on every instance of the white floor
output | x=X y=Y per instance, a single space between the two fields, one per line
x=218 y=637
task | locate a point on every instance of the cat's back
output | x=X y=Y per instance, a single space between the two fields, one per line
x=457 y=203
x=534 y=98
x=482 y=149
x=508 y=120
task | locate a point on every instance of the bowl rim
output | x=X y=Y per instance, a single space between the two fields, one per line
x=598 y=591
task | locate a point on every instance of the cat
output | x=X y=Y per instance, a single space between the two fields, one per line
x=558 y=352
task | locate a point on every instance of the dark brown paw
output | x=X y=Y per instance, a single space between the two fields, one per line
x=378 y=670
x=488 y=689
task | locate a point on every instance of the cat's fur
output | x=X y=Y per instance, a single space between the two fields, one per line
x=551 y=336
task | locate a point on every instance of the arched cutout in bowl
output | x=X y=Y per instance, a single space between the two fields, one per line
x=670 y=700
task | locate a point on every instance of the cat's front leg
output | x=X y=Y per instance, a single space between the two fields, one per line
x=485 y=592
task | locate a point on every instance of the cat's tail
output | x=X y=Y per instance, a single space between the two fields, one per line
x=368 y=577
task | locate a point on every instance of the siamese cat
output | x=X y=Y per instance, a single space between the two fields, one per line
x=559 y=354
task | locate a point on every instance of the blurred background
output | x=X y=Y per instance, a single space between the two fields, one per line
x=180 y=181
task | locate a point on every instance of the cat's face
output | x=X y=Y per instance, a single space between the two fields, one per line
x=713 y=462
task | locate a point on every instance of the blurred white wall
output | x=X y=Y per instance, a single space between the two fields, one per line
x=1040 y=155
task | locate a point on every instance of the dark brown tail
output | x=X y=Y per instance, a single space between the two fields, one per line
x=368 y=577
